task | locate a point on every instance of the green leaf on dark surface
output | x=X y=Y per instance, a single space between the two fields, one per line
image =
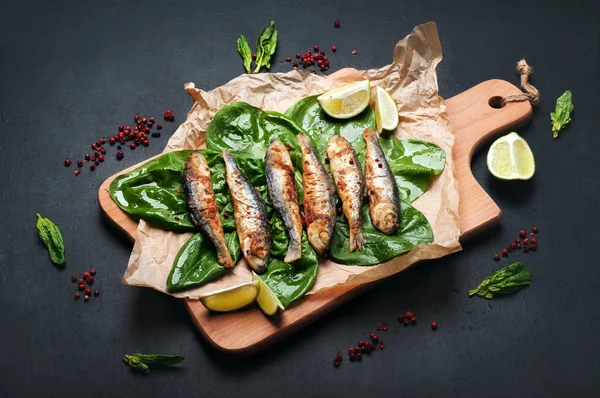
x=504 y=281
x=141 y=361
x=562 y=115
x=265 y=47
x=196 y=262
x=52 y=238
x=245 y=52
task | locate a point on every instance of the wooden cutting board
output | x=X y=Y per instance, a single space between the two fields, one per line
x=474 y=121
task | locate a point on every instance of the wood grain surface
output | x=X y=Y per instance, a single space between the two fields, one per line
x=474 y=121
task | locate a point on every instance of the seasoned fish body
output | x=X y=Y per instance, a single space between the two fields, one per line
x=281 y=182
x=319 y=198
x=350 y=183
x=202 y=205
x=250 y=216
x=384 y=201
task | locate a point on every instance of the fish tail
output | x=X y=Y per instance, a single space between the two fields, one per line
x=294 y=251
x=357 y=241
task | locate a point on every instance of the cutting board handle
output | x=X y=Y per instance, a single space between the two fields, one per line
x=476 y=118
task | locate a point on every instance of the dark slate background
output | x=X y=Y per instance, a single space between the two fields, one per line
x=72 y=71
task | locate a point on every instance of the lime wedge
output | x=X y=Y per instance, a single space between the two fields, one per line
x=231 y=299
x=510 y=158
x=347 y=101
x=386 y=111
x=266 y=300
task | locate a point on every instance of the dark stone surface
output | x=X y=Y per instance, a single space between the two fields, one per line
x=71 y=71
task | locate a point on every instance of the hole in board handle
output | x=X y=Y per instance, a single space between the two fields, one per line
x=496 y=102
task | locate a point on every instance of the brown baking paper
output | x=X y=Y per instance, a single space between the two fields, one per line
x=412 y=82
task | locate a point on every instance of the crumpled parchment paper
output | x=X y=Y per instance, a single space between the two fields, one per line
x=410 y=79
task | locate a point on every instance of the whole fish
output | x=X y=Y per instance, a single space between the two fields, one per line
x=350 y=183
x=202 y=205
x=250 y=216
x=281 y=182
x=319 y=198
x=384 y=200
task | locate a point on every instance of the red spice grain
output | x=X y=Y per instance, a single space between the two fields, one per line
x=496 y=256
x=333 y=48
x=74 y=278
x=381 y=345
x=77 y=295
x=336 y=23
x=354 y=52
x=434 y=325
x=86 y=298
x=96 y=292
x=413 y=320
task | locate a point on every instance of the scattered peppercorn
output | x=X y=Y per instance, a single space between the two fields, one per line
x=381 y=345
x=401 y=318
x=67 y=162
x=77 y=295
x=535 y=230
x=505 y=252
x=336 y=23
x=434 y=326
x=86 y=298
x=96 y=292
x=120 y=155
x=496 y=256
x=81 y=286
x=354 y=52
x=522 y=233
x=413 y=320
x=74 y=278
x=288 y=59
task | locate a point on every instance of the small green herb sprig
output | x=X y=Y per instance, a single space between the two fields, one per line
x=52 y=238
x=504 y=281
x=265 y=48
x=141 y=362
x=562 y=115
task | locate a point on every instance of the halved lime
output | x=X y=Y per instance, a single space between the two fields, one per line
x=347 y=101
x=231 y=299
x=267 y=300
x=510 y=158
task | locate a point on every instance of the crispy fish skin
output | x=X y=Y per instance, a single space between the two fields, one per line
x=202 y=205
x=250 y=216
x=384 y=200
x=319 y=198
x=350 y=183
x=281 y=182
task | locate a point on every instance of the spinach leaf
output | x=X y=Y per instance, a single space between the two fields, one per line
x=265 y=47
x=413 y=162
x=245 y=52
x=289 y=282
x=562 y=115
x=154 y=192
x=52 y=238
x=414 y=230
x=196 y=263
x=504 y=281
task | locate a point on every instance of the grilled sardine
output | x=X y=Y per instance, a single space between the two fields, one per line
x=319 y=198
x=281 y=182
x=202 y=205
x=250 y=216
x=350 y=184
x=384 y=201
